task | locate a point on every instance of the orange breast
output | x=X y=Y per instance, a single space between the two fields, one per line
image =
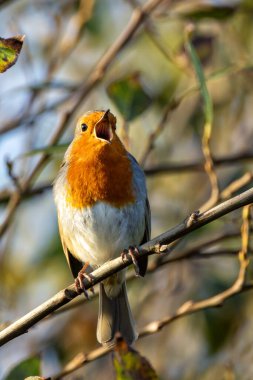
x=99 y=172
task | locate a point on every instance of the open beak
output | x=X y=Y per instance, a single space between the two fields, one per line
x=103 y=129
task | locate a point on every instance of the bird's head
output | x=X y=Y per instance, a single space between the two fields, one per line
x=98 y=165
x=97 y=128
x=96 y=141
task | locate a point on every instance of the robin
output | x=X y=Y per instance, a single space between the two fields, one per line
x=101 y=198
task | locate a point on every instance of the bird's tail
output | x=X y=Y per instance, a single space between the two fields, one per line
x=115 y=315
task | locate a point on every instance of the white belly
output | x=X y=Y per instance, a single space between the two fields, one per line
x=100 y=233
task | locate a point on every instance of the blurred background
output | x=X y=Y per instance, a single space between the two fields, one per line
x=152 y=88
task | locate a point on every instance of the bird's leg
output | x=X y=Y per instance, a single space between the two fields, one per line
x=79 y=281
x=133 y=252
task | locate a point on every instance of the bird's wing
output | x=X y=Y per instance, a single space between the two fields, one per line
x=141 y=188
x=143 y=261
x=147 y=232
x=74 y=264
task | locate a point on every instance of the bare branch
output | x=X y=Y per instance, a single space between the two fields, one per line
x=189 y=307
x=70 y=40
x=6 y=194
x=182 y=167
x=138 y=16
x=209 y=167
x=13 y=177
x=153 y=246
x=153 y=34
x=153 y=327
x=28 y=118
x=195 y=252
x=156 y=133
x=166 y=169
x=236 y=185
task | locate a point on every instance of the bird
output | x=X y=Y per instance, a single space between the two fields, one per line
x=103 y=210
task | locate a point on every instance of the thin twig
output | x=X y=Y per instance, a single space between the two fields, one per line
x=245 y=233
x=156 y=133
x=137 y=18
x=153 y=246
x=154 y=327
x=14 y=178
x=28 y=118
x=209 y=167
x=236 y=185
x=182 y=167
x=226 y=194
x=152 y=33
x=179 y=168
x=231 y=70
x=6 y=194
x=69 y=40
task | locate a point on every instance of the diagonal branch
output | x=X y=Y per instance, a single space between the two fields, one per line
x=153 y=327
x=138 y=17
x=189 y=307
x=155 y=245
x=197 y=251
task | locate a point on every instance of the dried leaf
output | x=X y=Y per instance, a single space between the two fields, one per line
x=129 y=364
x=9 y=51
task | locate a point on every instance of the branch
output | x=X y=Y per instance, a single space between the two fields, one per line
x=187 y=308
x=160 y=169
x=186 y=166
x=195 y=252
x=137 y=18
x=155 y=245
x=153 y=327
x=156 y=133
x=28 y=118
x=38 y=190
x=155 y=265
x=68 y=41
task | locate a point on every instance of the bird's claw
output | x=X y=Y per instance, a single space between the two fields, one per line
x=133 y=252
x=79 y=283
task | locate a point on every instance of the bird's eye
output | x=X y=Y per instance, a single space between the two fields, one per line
x=84 y=127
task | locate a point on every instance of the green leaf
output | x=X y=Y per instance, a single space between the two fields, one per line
x=208 y=105
x=9 y=51
x=129 y=364
x=25 y=369
x=129 y=96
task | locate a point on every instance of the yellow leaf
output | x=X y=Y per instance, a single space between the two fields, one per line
x=9 y=51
